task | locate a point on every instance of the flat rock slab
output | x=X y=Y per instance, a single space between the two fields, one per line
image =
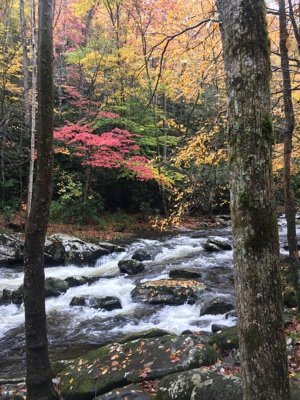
x=185 y=273
x=118 y=365
x=168 y=291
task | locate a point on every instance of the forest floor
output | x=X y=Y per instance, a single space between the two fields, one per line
x=116 y=227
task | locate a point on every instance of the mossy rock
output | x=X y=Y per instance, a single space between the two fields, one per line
x=150 y=333
x=118 y=365
x=199 y=384
x=225 y=340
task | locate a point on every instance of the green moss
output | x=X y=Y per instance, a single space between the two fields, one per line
x=267 y=129
x=252 y=338
x=264 y=229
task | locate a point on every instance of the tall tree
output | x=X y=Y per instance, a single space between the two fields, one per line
x=255 y=233
x=38 y=379
x=289 y=203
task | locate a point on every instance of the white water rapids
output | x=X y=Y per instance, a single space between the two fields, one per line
x=73 y=325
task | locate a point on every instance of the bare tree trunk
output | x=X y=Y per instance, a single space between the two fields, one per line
x=38 y=378
x=289 y=203
x=33 y=106
x=255 y=233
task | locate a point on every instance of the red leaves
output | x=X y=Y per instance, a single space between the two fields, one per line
x=113 y=149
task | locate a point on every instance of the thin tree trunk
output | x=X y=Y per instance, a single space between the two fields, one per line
x=289 y=203
x=33 y=106
x=254 y=221
x=38 y=378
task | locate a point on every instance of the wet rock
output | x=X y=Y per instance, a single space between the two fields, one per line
x=65 y=249
x=111 y=247
x=11 y=250
x=216 y=306
x=118 y=365
x=180 y=386
x=131 y=267
x=130 y=392
x=216 y=244
x=55 y=287
x=74 y=281
x=225 y=340
x=231 y=314
x=184 y=273
x=17 y=295
x=106 y=303
x=211 y=247
x=222 y=243
x=6 y=297
x=218 y=328
x=141 y=255
x=167 y=291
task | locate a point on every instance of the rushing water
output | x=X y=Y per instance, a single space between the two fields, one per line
x=75 y=329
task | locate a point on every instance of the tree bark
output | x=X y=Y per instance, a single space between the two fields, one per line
x=33 y=106
x=38 y=378
x=289 y=203
x=255 y=233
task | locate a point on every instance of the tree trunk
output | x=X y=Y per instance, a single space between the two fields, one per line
x=33 y=106
x=38 y=378
x=289 y=203
x=255 y=233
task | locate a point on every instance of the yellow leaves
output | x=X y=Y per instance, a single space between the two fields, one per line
x=278 y=158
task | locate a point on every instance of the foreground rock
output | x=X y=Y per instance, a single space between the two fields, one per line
x=65 y=249
x=105 y=303
x=118 y=365
x=197 y=384
x=131 y=267
x=184 y=273
x=217 y=306
x=11 y=250
x=168 y=291
x=131 y=392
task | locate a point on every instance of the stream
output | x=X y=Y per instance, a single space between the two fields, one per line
x=74 y=330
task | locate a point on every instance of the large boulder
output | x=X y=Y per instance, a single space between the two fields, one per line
x=197 y=384
x=141 y=255
x=118 y=365
x=217 y=306
x=53 y=288
x=65 y=249
x=106 y=303
x=167 y=291
x=185 y=273
x=131 y=267
x=11 y=250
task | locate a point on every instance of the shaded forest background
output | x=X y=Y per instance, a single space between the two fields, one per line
x=140 y=109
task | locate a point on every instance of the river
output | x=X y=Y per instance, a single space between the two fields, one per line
x=73 y=330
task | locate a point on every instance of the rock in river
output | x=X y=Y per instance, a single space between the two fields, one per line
x=131 y=267
x=167 y=291
x=141 y=255
x=217 y=306
x=65 y=249
x=185 y=273
x=106 y=303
